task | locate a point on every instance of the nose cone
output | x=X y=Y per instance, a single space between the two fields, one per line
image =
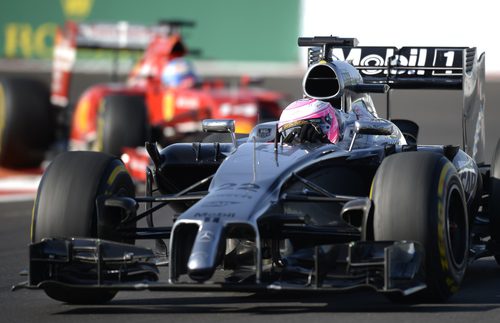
x=199 y=267
x=203 y=259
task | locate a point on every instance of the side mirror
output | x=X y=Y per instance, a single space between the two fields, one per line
x=378 y=127
x=220 y=125
x=373 y=127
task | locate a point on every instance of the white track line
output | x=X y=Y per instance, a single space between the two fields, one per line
x=18 y=188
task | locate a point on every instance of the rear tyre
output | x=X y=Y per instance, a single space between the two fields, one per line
x=494 y=201
x=26 y=122
x=123 y=122
x=65 y=207
x=418 y=196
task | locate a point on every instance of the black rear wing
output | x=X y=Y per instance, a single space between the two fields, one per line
x=414 y=67
x=405 y=67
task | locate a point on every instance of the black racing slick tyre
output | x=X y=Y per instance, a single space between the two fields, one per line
x=418 y=196
x=26 y=122
x=65 y=207
x=123 y=122
x=494 y=202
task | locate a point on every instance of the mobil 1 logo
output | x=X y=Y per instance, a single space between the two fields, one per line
x=407 y=61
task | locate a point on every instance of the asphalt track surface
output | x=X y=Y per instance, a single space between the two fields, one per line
x=478 y=300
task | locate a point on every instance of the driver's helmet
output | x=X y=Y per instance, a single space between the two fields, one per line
x=319 y=114
x=178 y=73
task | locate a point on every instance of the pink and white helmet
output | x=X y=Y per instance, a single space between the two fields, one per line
x=305 y=111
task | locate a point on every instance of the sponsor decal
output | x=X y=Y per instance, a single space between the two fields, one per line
x=77 y=9
x=206 y=236
x=184 y=102
x=264 y=132
x=27 y=40
x=219 y=203
x=252 y=187
x=468 y=177
x=443 y=61
x=215 y=214
x=236 y=196
x=478 y=145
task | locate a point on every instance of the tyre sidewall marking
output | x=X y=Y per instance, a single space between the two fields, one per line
x=371 y=188
x=118 y=169
x=441 y=219
x=443 y=250
x=112 y=185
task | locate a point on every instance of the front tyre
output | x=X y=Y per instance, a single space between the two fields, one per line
x=418 y=196
x=65 y=207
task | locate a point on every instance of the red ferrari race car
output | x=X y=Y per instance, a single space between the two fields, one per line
x=162 y=100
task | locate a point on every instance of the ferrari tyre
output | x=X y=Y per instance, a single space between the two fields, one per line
x=65 y=206
x=494 y=201
x=123 y=122
x=26 y=125
x=418 y=196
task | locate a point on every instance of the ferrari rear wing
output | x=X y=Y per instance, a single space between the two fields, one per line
x=123 y=35
x=109 y=36
x=414 y=67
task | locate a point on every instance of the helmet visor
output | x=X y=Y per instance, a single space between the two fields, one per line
x=322 y=125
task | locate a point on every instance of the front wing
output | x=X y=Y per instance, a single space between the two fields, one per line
x=83 y=264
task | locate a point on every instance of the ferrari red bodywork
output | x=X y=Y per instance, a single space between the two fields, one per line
x=171 y=112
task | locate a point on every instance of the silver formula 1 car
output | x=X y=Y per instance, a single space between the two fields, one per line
x=264 y=214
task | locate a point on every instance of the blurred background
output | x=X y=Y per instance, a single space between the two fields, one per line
x=259 y=38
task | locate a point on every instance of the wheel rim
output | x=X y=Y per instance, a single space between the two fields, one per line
x=456 y=227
